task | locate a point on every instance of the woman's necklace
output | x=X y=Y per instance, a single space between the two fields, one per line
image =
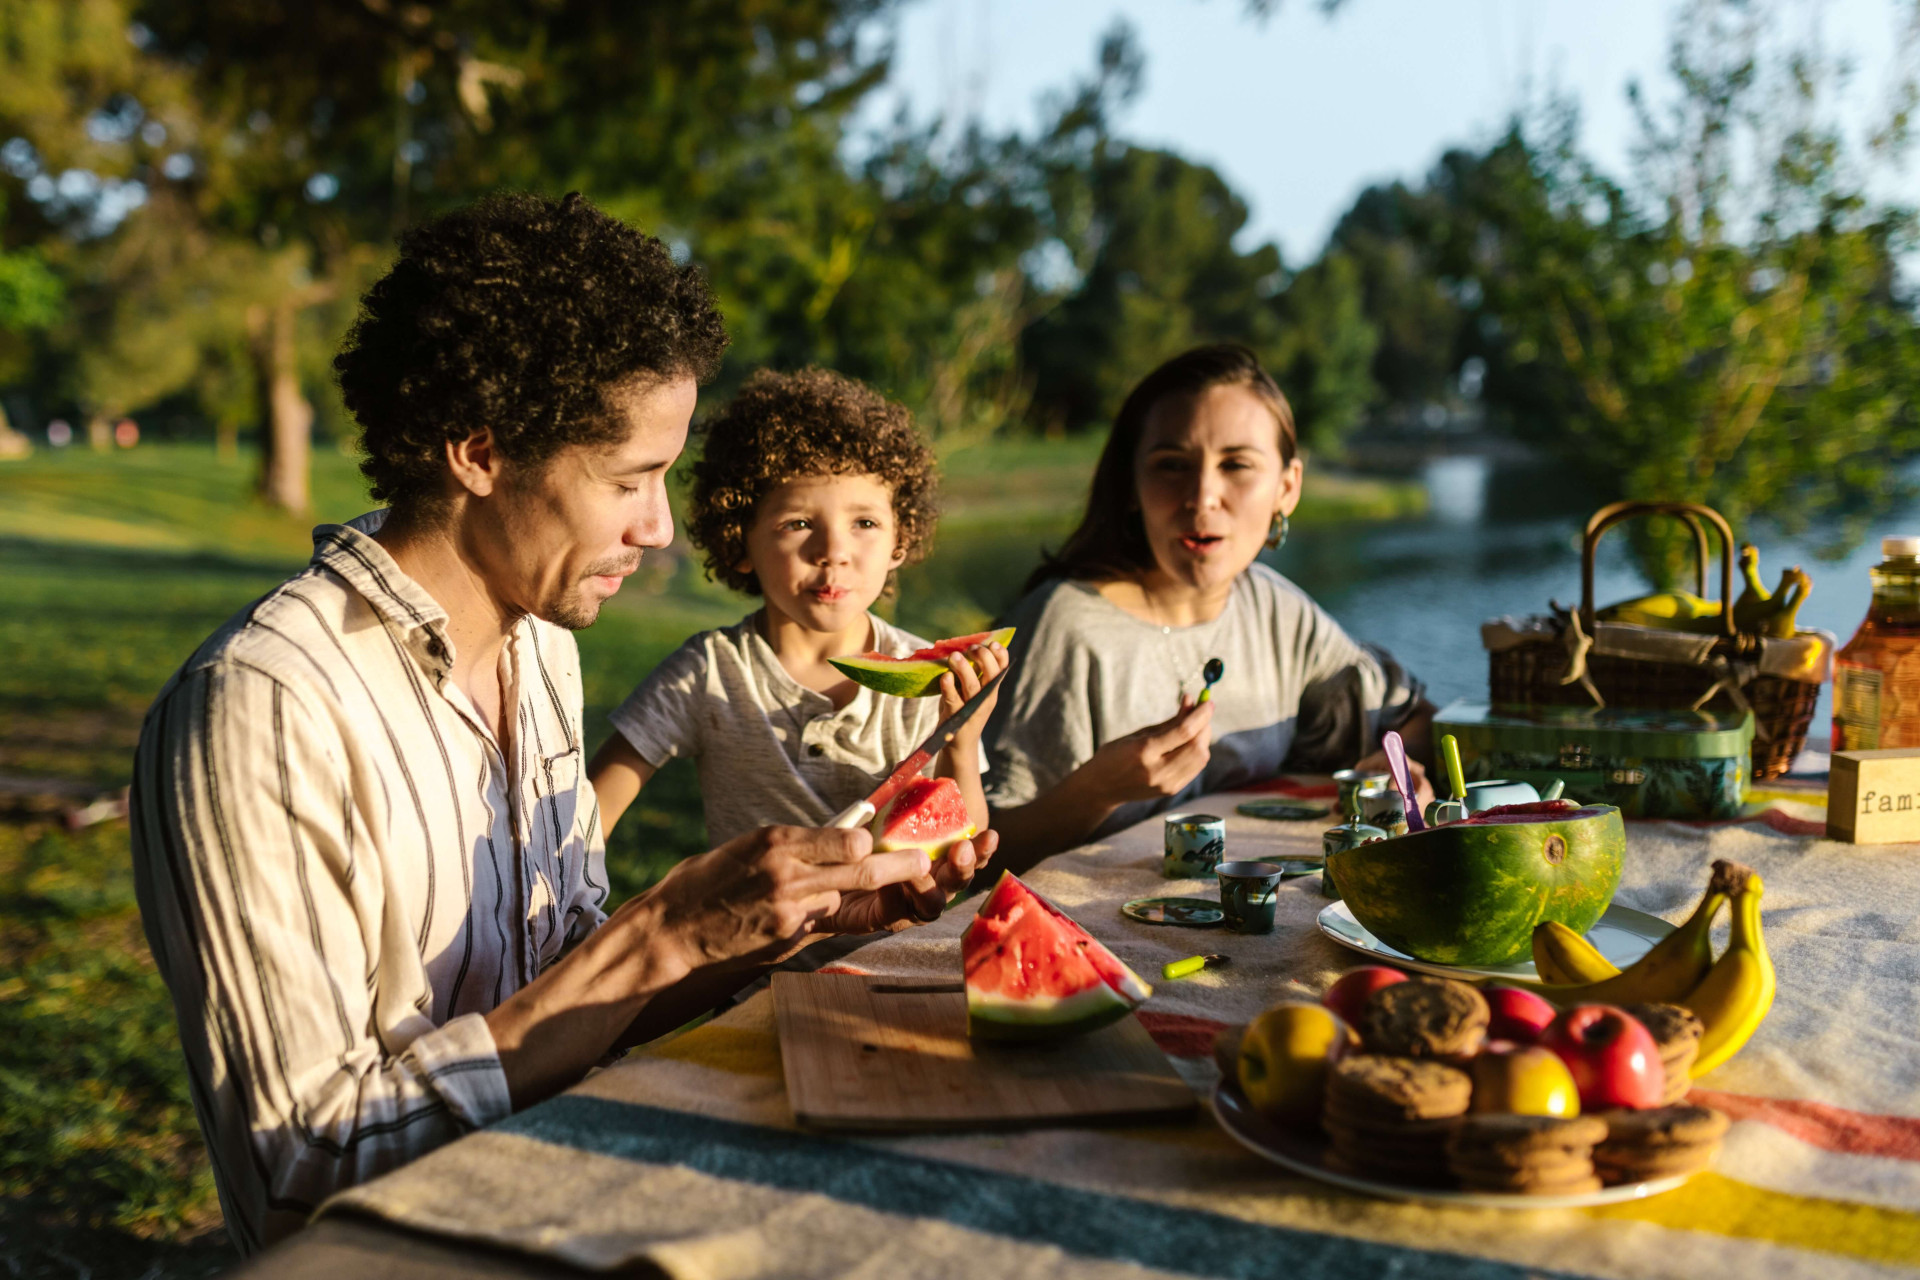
x=1183 y=665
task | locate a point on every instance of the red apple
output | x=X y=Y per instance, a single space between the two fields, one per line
x=1612 y=1057
x=1348 y=994
x=1518 y=1015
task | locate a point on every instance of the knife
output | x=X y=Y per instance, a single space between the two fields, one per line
x=862 y=811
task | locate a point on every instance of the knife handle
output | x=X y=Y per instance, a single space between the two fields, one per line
x=857 y=814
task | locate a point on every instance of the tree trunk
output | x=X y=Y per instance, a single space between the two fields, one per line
x=99 y=432
x=13 y=444
x=286 y=419
x=226 y=440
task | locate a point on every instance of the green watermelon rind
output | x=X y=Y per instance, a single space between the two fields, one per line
x=1028 y=1020
x=899 y=677
x=1466 y=894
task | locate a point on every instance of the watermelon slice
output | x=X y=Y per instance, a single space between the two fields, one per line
x=1033 y=974
x=929 y=813
x=918 y=674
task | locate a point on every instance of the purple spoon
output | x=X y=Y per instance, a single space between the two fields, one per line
x=1402 y=778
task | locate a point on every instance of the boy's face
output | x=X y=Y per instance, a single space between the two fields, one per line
x=822 y=547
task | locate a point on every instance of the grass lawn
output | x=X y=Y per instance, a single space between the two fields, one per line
x=113 y=568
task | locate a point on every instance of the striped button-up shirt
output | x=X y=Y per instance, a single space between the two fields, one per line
x=340 y=870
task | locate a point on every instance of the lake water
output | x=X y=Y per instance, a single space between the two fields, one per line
x=1497 y=545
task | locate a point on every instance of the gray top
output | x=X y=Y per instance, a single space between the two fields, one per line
x=1298 y=693
x=769 y=749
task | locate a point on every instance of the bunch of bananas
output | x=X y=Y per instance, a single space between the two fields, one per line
x=1731 y=995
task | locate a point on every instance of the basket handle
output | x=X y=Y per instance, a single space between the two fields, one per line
x=1691 y=512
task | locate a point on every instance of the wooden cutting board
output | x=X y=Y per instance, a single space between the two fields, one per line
x=879 y=1054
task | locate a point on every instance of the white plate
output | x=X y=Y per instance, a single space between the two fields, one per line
x=1305 y=1154
x=1622 y=934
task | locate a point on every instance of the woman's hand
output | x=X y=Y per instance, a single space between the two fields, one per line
x=1417 y=774
x=1154 y=762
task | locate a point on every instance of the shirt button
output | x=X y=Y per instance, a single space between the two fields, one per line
x=815 y=749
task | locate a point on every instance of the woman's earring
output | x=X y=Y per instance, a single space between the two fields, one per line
x=1278 y=537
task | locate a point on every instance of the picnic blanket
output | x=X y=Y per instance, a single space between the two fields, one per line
x=685 y=1155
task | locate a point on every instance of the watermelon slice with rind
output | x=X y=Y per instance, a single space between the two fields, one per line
x=1033 y=974
x=918 y=674
x=929 y=813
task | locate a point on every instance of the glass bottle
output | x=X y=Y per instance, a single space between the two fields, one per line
x=1876 y=677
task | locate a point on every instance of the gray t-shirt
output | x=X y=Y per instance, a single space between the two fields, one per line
x=769 y=749
x=1298 y=693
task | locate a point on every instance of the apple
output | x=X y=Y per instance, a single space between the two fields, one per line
x=1523 y=1079
x=1348 y=994
x=1518 y=1015
x=1614 y=1060
x=1285 y=1056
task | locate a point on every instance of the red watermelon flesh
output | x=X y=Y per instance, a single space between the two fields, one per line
x=1033 y=974
x=929 y=813
x=944 y=648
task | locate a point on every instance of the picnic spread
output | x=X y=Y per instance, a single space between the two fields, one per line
x=686 y=1154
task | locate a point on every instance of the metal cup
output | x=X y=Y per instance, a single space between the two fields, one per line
x=1351 y=782
x=1386 y=808
x=1440 y=812
x=1348 y=835
x=1194 y=843
x=1248 y=894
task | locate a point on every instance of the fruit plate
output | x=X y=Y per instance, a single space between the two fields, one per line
x=1622 y=935
x=1306 y=1154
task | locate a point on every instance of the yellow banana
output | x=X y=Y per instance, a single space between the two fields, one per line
x=1735 y=995
x=1564 y=957
x=1677 y=964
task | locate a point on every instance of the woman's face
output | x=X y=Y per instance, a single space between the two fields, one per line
x=1211 y=483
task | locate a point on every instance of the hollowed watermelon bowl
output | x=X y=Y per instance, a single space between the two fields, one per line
x=1470 y=893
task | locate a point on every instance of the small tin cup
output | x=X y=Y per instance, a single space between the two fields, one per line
x=1248 y=893
x=1384 y=807
x=1195 y=844
x=1351 y=782
x=1348 y=835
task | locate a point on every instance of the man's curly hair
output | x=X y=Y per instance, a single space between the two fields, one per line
x=787 y=426
x=518 y=313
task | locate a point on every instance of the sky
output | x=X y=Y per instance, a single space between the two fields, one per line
x=1304 y=110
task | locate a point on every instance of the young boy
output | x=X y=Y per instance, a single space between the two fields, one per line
x=811 y=491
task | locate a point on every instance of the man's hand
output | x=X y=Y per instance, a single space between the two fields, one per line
x=1150 y=763
x=768 y=889
x=915 y=901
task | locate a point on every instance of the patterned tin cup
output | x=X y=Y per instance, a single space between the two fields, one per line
x=1384 y=807
x=1351 y=783
x=1195 y=844
x=1248 y=893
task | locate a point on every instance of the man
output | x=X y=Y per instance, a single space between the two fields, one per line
x=368 y=863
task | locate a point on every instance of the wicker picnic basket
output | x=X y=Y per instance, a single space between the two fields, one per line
x=1565 y=659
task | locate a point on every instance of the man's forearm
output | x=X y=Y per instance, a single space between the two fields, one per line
x=552 y=1030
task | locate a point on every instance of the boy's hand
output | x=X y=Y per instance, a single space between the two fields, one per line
x=971 y=670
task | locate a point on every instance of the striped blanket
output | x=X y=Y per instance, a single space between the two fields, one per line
x=685 y=1155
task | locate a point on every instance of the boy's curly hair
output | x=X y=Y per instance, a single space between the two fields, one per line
x=785 y=426
x=519 y=313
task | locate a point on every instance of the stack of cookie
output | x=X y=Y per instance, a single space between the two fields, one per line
x=1426 y=1018
x=1677 y=1031
x=1526 y=1155
x=1390 y=1117
x=1660 y=1143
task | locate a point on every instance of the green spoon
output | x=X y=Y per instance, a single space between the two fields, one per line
x=1455 y=809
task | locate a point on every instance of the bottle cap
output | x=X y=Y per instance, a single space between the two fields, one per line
x=1906 y=547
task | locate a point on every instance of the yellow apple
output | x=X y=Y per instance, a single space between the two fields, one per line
x=1525 y=1080
x=1285 y=1056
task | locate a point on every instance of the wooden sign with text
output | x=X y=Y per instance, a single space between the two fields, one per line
x=1873 y=797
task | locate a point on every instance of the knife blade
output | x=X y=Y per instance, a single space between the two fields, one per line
x=862 y=811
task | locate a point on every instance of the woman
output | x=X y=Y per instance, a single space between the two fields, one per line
x=1100 y=724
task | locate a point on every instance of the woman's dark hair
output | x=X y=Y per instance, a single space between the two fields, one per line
x=788 y=426
x=1111 y=541
x=520 y=314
